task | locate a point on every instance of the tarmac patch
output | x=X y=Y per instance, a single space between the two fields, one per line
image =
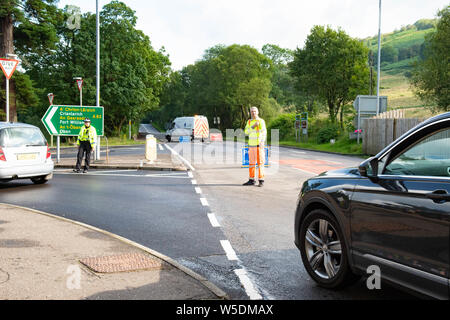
x=94 y=235
x=122 y=263
x=18 y=243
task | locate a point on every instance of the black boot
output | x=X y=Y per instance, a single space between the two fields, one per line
x=261 y=183
x=250 y=182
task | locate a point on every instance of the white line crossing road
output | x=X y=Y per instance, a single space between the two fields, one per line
x=125 y=173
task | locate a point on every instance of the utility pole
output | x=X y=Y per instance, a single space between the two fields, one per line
x=379 y=58
x=97 y=151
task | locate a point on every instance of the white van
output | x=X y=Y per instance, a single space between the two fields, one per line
x=195 y=127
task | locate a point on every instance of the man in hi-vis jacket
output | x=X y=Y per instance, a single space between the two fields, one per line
x=257 y=132
x=86 y=143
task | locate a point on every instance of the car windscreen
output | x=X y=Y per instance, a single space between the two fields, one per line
x=21 y=137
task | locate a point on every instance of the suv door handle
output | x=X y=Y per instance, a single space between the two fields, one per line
x=439 y=196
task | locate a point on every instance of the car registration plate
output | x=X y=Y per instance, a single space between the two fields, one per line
x=27 y=156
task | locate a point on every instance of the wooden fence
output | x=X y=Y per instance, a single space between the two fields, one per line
x=378 y=133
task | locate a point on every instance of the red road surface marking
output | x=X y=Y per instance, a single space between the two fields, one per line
x=316 y=166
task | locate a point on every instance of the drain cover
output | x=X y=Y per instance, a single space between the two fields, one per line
x=121 y=263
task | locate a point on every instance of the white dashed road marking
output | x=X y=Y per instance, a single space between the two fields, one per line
x=204 y=202
x=226 y=245
x=212 y=218
x=247 y=284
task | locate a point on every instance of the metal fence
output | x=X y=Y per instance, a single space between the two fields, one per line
x=378 y=133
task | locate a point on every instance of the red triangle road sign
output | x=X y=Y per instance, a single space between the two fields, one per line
x=8 y=66
x=80 y=83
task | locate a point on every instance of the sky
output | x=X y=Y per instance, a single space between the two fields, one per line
x=186 y=28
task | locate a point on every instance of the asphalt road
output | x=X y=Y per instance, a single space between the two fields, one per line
x=170 y=213
x=259 y=222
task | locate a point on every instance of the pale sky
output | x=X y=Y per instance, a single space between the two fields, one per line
x=186 y=28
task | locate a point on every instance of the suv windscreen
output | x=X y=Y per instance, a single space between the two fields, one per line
x=21 y=137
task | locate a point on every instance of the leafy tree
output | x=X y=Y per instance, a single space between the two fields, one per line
x=424 y=24
x=431 y=76
x=132 y=72
x=332 y=67
x=389 y=54
x=26 y=28
x=283 y=83
x=226 y=82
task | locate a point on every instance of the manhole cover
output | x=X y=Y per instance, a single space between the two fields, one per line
x=121 y=263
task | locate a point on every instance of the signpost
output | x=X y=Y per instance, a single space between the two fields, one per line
x=367 y=107
x=8 y=66
x=68 y=120
x=304 y=124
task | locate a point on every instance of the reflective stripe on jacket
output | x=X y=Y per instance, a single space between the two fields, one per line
x=256 y=135
x=87 y=134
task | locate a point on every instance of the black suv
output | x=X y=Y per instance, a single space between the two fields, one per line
x=393 y=212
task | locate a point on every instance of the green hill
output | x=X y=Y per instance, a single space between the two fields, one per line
x=399 y=49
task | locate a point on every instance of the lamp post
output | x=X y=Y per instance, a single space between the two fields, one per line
x=14 y=57
x=79 y=82
x=379 y=58
x=50 y=100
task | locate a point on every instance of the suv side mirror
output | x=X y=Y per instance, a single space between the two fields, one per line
x=369 y=168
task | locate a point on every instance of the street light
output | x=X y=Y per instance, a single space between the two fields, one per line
x=379 y=57
x=79 y=82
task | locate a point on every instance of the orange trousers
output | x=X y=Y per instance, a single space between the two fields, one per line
x=256 y=158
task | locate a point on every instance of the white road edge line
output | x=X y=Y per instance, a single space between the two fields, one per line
x=204 y=202
x=198 y=190
x=194 y=181
x=231 y=255
x=190 y=175
x=212 y=218
x=182 y=159
x=160 y=147
x=247 y=284
x=121 y=175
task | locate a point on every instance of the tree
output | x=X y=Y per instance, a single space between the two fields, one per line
x=26 y=27
x=431 y=76
x=332 y=67
x=226 y=82
x=132 y=72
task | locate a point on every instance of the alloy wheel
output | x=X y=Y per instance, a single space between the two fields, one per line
x=323 y=249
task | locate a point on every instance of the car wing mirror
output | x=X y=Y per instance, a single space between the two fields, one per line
x=369 y=168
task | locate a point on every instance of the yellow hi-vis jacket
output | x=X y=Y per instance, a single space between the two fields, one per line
x=256 y=135
x=87 y=134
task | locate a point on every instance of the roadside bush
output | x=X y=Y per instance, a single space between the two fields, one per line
x=285 y=123
x=327 y=133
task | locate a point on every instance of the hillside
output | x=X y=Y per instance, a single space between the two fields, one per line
x=399 y=50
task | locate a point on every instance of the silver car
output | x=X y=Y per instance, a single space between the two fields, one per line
x=24 y=153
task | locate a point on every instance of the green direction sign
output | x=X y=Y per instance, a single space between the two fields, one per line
x=68 y=120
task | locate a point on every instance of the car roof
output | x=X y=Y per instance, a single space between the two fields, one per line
x=15 y=125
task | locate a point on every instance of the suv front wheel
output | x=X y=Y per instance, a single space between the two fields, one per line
x=323 y=250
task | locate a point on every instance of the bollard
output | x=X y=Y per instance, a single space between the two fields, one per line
x=150 y=148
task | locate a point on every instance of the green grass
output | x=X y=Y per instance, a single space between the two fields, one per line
x=341 y=146
x=399 y=39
